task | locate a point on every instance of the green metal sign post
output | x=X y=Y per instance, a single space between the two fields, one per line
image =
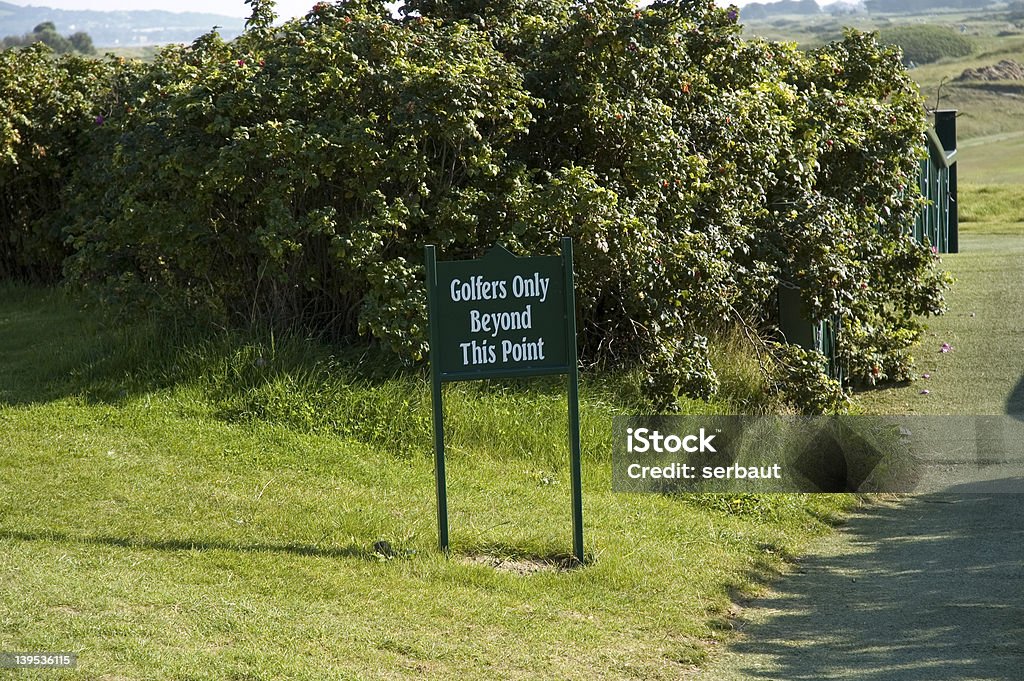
x=502 y=316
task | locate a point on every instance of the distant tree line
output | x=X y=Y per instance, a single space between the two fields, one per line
x=46 y=33
x=1015 y=11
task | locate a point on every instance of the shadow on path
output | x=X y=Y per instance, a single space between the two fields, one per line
x=1015 y=401
x=930 y=589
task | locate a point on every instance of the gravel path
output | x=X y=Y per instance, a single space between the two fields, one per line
x=928 y=588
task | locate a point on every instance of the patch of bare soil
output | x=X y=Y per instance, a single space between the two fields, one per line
x=1007 y=69
x=524 y=566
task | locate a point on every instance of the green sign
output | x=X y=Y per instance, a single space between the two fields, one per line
x=503 y=316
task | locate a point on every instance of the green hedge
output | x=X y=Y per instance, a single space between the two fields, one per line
x=293 y=175
x=927 y=44
x=48 y=108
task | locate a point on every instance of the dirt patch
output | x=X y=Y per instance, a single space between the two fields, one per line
x=1007 y=69
x=524 y=566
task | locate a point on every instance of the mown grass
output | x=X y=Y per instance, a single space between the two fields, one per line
x=993 y=160
x=216 y=506
x=991 y=208
x=984 y=371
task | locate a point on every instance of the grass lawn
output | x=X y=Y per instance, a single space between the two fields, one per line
x=224 y=507
x=994 y=160
x=984 y=372
x=213 y=511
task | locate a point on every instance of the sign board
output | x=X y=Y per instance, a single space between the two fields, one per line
x=502 y=316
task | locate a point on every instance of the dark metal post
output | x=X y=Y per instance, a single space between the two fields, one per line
x=435 y=380
x=575 y=467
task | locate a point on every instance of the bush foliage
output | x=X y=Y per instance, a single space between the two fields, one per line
x=48 y=108
x=293 y=175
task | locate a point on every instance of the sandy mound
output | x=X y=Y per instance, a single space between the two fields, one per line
x=1007 y=69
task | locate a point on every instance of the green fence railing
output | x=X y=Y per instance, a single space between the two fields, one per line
x=938 y=223
x=796 y=327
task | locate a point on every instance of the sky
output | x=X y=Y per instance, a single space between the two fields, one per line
x=232 y=8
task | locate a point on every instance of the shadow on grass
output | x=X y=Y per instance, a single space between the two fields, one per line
x=930 y=590
x=174 y=545
x=54 y=348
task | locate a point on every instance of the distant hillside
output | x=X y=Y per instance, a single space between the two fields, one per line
x=920 y=6
x=759 y=11
x=120 y=28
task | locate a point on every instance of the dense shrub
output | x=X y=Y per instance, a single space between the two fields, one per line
x=48 y=106
x=926 y=44
x=294 y=174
